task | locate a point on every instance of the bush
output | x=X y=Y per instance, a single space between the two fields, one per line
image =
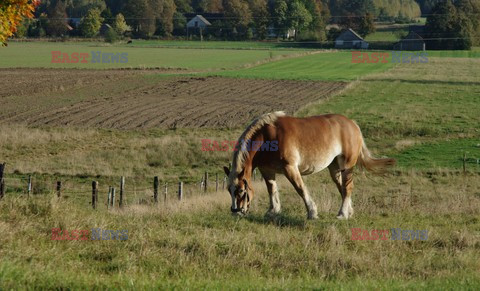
x=111 y=35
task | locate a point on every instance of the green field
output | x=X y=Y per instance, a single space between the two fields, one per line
x=431 y=107
x=320 y=66
x=39 y=55
x=425 y=115
x=237 y=45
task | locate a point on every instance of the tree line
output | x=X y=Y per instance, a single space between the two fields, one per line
x=451 y=24
x=236 y=19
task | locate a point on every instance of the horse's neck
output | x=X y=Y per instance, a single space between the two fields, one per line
x=249 y=162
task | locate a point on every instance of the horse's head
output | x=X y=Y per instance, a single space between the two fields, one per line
x=240 y=191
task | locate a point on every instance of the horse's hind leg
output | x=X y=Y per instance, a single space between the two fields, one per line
x=273 y=192
x=340 y=178
x=347 y=187
x=293 y=175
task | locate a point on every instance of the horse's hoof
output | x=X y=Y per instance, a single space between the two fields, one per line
x=271 y=214
x=342 y=217
x=312 y=217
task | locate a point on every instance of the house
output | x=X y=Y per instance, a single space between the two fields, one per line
x=412 y=42
x=198 y=22
x=349 y=39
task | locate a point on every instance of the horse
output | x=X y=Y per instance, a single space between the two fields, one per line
x=302 y=146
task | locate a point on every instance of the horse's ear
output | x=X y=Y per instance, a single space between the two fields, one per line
x=227 y=171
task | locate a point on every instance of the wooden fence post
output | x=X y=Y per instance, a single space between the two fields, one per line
x=180 y=191
x=122 y=189
x=155 y=189
x=94 y=194
x=113 y=198
x=216 y=182
x=165 y=193
x=109 y=196
x=206 y=182
x=2 y=181
x=59 y=189
x=29 y=187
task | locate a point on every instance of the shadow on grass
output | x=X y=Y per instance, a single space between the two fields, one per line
x=281 y=220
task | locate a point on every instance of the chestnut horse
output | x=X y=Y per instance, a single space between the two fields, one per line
x=303 y=146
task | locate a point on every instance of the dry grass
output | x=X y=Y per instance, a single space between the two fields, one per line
x=93 y=152
x=197 y=244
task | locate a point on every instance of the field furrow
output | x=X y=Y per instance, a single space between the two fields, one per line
x=103 y=99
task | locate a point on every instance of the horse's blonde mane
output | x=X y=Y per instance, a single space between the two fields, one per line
x=240 y=155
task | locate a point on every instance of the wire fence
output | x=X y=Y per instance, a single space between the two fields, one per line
x=116 y=194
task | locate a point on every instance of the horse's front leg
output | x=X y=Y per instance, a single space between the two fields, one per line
x=272 y=188
x=294 y=176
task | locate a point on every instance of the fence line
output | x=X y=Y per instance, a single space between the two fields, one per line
x=62 y=190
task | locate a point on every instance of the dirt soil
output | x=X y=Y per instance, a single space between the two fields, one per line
x=129 y=99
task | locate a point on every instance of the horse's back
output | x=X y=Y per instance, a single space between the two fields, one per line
x=313 y=142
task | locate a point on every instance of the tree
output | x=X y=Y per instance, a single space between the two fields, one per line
x=366 y=25
x=260 y=17
x=470 y=26
x=450 y=26
x=299 y=17
x=183 y=6
x=319 y=13
x=111 y=35
x=357 y=15
x=280 y=18
x=140 y=16
x=120 y=25
x=11 y=14
x=91 y=23
x=238 y=17
x=80 y=8
x=166 y=17
x=179 y=23
x=116 y=6
x=107 y=16
x=57 y=19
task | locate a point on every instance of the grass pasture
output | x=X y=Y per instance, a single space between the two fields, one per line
x=39 y=55
x=326 y=65
x=99 y=125
x=199 y=245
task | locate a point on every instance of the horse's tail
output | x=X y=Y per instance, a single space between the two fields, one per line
x=374 y=165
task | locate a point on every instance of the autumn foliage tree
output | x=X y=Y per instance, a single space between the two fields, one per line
x=11 y=14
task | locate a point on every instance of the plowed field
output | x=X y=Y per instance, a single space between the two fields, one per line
x=145 y=99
